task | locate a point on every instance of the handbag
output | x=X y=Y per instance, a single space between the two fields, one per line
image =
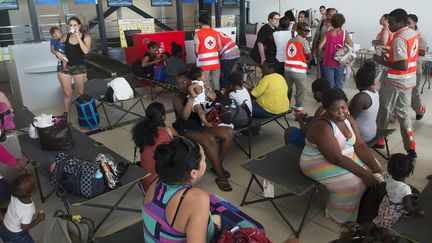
x=6 y=121
x=345 y=55
x=57 y=136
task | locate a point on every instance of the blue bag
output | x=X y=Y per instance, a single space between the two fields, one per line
x=160 y=73
x=88 y=116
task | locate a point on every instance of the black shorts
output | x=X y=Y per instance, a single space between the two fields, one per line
x=73 y=70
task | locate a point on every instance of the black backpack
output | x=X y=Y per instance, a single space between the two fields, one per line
x=88 y=116
x=239 y=116
x=78 y=177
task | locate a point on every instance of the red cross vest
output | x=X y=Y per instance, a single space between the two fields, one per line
x=229 y=48
x=208 y=52
x=295 y=58
x=413 y=50
x=381 y=33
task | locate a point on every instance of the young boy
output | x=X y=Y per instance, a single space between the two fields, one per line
x=57 y=46
x=18 y=218
x=295 y=135
x=238 y=93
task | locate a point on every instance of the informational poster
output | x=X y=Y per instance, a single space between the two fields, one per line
x=161 y=3
x=226 y=21
x=8 y=4
x=229 y=3
x=47 y=2
x=78 y=2
x=145 y=25
x=119 y=3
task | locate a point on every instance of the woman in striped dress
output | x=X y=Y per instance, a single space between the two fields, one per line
x=336 y=156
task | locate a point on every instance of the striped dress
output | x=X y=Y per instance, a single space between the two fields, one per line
x=156 y=226
x=346 y=189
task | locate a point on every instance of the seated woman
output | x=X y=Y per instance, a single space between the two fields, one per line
x=365 y=104
x=175 y=64
x=148 y=134
x=172 y=205
x=295 y=135
x=271 y=93
x=145 y=68
x=336 y=156
x=189 y=125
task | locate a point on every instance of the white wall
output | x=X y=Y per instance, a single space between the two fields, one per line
x=362 y=16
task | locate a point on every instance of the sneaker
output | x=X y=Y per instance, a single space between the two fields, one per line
x=380 y=144
x=422 y=112
x=412 y=154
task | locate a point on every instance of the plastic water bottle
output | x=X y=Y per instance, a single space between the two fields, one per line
x=233 y=104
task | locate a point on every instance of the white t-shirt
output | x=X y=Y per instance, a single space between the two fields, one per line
x=201 y=98
x=281 y=39
x=239 y=96
x=396 y=190
x=18 y=213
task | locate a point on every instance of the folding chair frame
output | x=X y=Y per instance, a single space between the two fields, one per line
x=248 y=71
x=387 y=150
x=120 y=107
x=167 y=87
x=297 y=232
x=249 y=128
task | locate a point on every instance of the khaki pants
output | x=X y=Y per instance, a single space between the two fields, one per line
x=397 y=100
x=212 y=77
x=416 y=103
x=297 y=79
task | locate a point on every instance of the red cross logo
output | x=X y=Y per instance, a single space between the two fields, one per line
x=210 y=42
x=291 y=50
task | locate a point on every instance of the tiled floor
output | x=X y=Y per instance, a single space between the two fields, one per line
x=317 y=227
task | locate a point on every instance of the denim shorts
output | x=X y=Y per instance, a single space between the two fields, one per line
x=12 y=237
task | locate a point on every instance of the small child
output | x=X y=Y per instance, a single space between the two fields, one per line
x=58 y=47
x=238 y=93
x=151 y=58
x=399 y=199
x=295 y=135
x=199 y=89
x=18 y=218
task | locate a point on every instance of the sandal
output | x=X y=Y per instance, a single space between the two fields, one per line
x=223 y=185
x=226 y=173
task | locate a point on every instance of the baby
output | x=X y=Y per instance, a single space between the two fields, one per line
x=198 y=90
x=57 y=46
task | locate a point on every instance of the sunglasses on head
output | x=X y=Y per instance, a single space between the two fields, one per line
x=305 y=30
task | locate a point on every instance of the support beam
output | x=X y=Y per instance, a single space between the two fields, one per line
x=107 y=13
x=102 y=30
x=179 y=11
x=242 y=34
x=34 y=20
x=146 y=15
x=218 y=13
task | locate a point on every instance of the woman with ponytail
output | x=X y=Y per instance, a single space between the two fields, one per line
x=365 y=104
x=148 y=134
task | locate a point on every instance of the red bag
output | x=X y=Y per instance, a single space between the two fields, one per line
x=213 y=117
x=247 y=235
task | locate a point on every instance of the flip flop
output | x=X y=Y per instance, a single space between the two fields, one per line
x=224 y=185
x=226 y=173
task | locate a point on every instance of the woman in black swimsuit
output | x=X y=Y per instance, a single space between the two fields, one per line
x=77 y=44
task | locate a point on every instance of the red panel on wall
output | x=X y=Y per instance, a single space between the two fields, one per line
x=140 y=43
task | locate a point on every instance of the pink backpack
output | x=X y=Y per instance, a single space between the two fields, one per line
x=6 y=119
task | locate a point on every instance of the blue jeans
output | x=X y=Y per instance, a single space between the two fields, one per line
x=321 y=69
x=11 y=237
x=258 y=111
x=334 y=76
x=227 y=66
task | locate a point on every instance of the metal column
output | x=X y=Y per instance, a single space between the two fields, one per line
x=218 y=10
x=102 y=30
x=179 y=11
x=34 y=20
x=242 y=34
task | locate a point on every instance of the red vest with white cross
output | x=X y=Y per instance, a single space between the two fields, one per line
x=229 y=47
x=413 y=50
x=295 y=58
x=208 y=51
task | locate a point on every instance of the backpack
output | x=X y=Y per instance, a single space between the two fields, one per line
x=243 y=235
x=160 y=73
x=88 y=116
x=6 y=120
x=119 y=90
x=77 y=177
x=68 y=229
x=239 y=116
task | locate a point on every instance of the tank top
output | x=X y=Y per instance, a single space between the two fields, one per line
x=156 y=226
x=74 y=52
x=332 y=45
x=366 y=120
x=193 y=123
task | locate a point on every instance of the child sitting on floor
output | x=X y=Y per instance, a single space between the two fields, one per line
x=295 y=135
x=399 y=199
x=18 y=218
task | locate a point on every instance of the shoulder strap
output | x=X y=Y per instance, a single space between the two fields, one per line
x=178 y=207
x=67 y=38
x=168 y=130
